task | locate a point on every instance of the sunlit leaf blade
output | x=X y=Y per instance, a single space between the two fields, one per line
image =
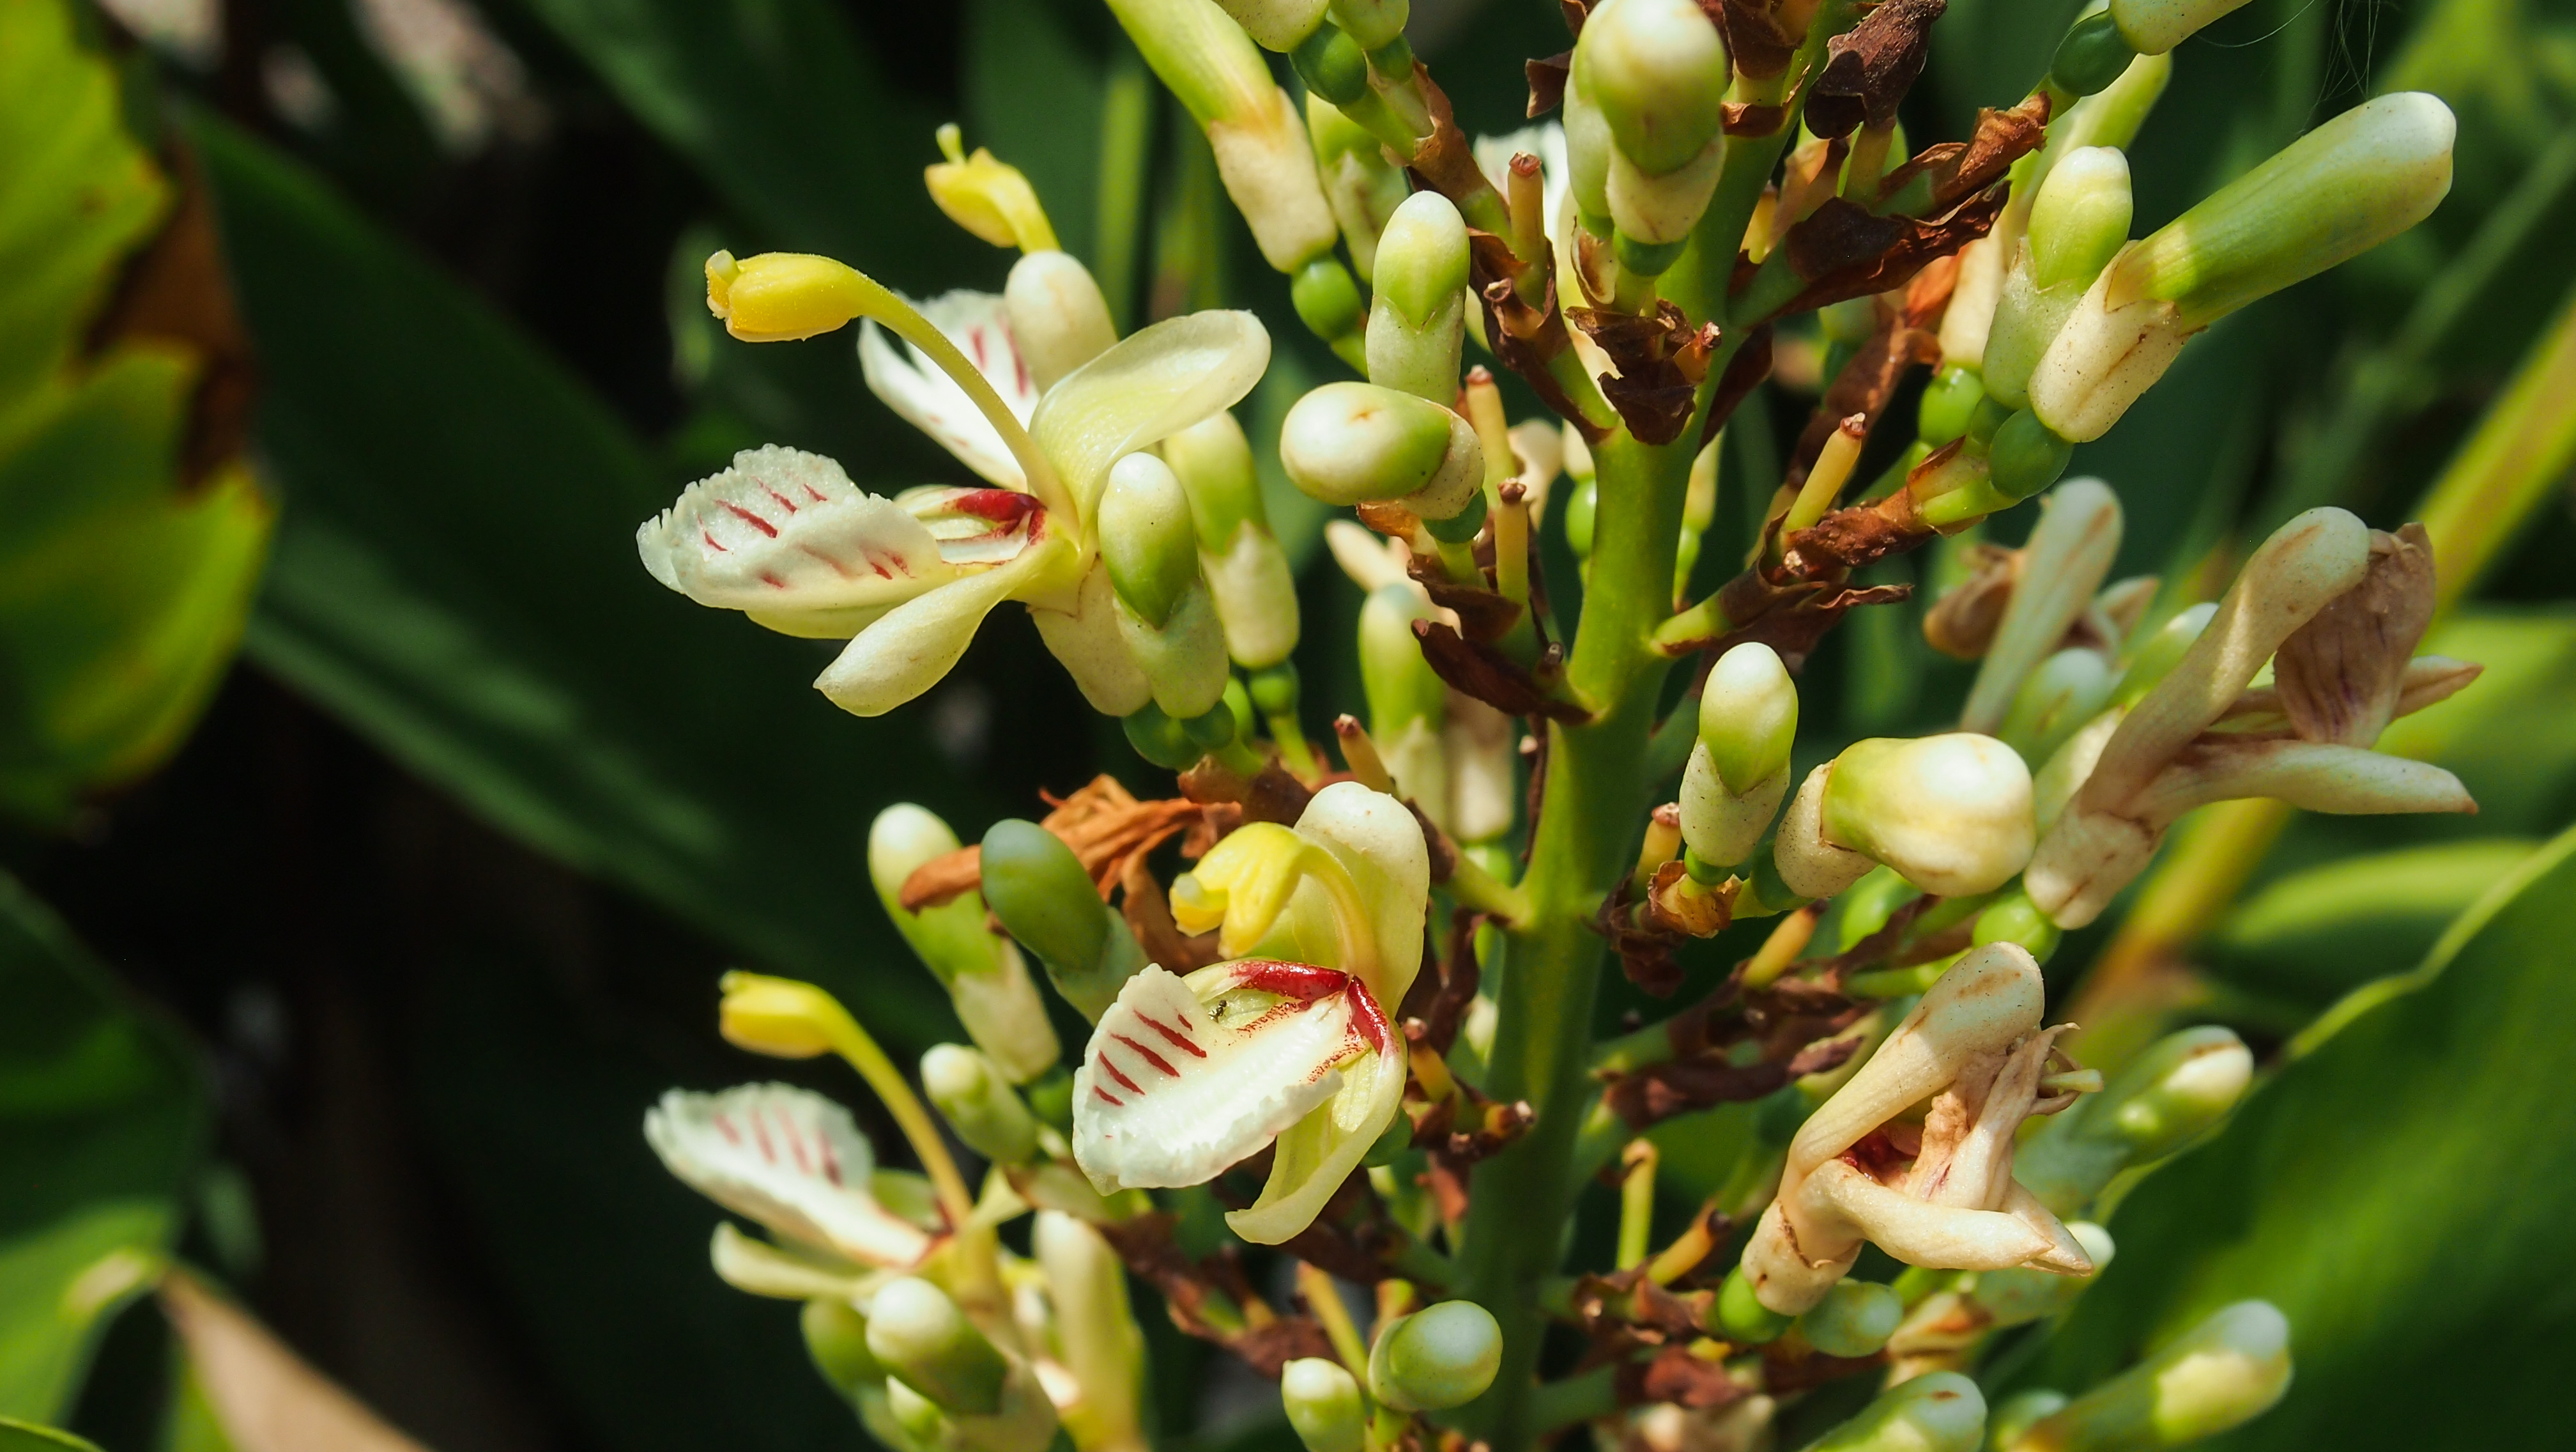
x=456 y=577
x=2402 y=1191
x=18 y=1436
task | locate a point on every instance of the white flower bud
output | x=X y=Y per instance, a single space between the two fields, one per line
x=1348 y=443
x=978 y=1105
x=1418 y=316
x=1058 y=317
x=1323 y=1405
x=1951 y=813
x=2222 y=1373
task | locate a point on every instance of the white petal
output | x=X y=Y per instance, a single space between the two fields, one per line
x=914 y=645
x=788 y=1158
x=786 y=535
x=1152 y=385
x=1169 y=1094
x=930 y=401
x=1848 y=1202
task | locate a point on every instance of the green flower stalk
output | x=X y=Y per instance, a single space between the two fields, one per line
x=1262 y=154
x=1656 y=71
x=1418 y=319
x=2219 y=1374
x=1323 y=1405
x=1353 y=443
x=1037 y=887
x=1440 y=1357
x=2340 y=190
x=987 y=982
x=1166 y=614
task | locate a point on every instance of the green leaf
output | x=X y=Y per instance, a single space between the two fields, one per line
x=2505 y=736
x=2316 y=934
x=18 y=1436
x=456 y=577
x=101 y=1120
x=1035 y=95
x=2401 y=1190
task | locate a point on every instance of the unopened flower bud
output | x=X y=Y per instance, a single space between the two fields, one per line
x=2343 y=188
x=1147 y=538
x=1739 y=771
x=1588 y=148
x=986 y=197
x=1657 y=72
x=1323 y=1405
x=1058 y=317
x=781 y=1017
x=978 y=1104
x=2152 y=27
x=836 y=1336
x=1280 y=25
x=2222 y=1373
x=1940 y=1411
x=1247 y=573
x=984 y=975
x=1439 y=1357
x=1949 y=401
x=1854 y=1319
x=1348 y=443
x=1095 y=1325
x=2067 y=690
x=2092 y=56
x=2078 y=223
x=782 y=296
x=1217 y=74
x=2019 y=1295
x=1330 y=306
x=1039 y=890
x=1951 y=814
x=923 y=1339
x=1375 y=24
x=2158 y=1102
x=1418 y=318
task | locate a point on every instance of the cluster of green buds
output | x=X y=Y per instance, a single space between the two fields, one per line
x=1645 y=126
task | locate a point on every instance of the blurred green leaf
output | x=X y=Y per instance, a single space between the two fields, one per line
x=1034 y=95
x=2319 y=933
x=2402 y=1191
x=101 y=1118
x=2507 y=735
x=18 y=1436
x=456 y=578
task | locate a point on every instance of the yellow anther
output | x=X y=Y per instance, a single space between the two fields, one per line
x=782 y=296
x=782 y=1018
x=987 y=196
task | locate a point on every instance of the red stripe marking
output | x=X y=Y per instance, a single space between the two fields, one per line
x=796 y=1142
x=1155 y=1059
x=712 y=544
x=783 y=501
x=1180 y=1038
x=1107 y=1098
x=770 y=578
x=1130 y=1085
x=1302 y=981
x=754 y=520
x=760 y=1136
x=831 y=1159
x=725 y=1127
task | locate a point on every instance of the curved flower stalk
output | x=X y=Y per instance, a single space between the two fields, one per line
x=795 y=1162
x=1940 y=1194
x=2336 y=608
x=788 y=539
x=1288 y=1042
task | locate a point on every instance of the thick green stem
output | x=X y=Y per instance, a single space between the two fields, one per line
x=1550 y=967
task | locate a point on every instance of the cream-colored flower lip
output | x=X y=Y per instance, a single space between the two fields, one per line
x=1185 y=1077
x=788 y=1158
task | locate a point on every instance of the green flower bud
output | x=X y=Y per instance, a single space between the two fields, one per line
x=836 y=1336
x=1854 y=1319
x=1588 y=148
x=1407 y=700
x=2159 y=1101
x=2020 y=1295
x=1362 y=187
x=1741 y=1314
x=1280 y=25
x=1580 y=507
x=2345 y=187
x=1333 y=67
x=1039 y=890
x=2092 y=56
x=2152 y=27
x=2222 y=1373
x=1347 y=443
x=1657 y=69
x=2114 y=115
x=1247 y=574
x=1146 y=537
x=1375 y=24
x=986 y=981
x=1940 y=1411
x=2025 y=457
x=978 y=1104
x=1326 y=299
x=2014 y=1414
x=2067 y=690
x=1160 y=739
x=1418 y=319
x=1748 y=716
x=1949 y=401
x=1058 y=317
x=2161 y=653
x=1951 y=813
x=1323 y=1405
x=925 y=1342
x=1439 y=1357
x=2080 y=219
x=2014 y=918
x=1213 y=461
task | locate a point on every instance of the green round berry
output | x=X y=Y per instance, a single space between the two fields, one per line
x=1326 y=299
x=1161 y=740
x=1742 y=1316
x=1332 y=65
x=1274 y=689
x=2026 y=457
x=1038 y=888
x=2092 y=56
x=1949 y=402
